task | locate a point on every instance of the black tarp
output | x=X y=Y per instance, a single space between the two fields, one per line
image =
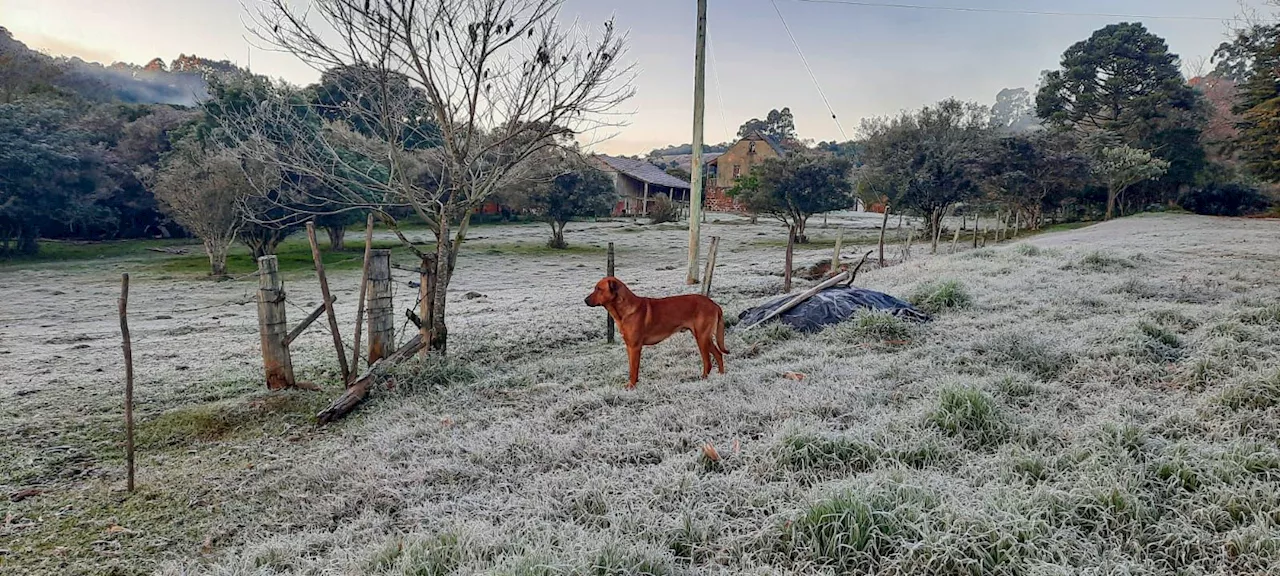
x=831 y=306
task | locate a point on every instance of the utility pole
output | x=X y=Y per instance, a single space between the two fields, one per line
x=699 y=107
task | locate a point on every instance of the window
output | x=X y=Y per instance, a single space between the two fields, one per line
x=737 y=170
x=751 y=147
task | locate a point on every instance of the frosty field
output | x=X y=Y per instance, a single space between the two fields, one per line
x=1096 y=401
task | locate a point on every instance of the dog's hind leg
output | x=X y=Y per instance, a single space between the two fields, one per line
x=705 y=345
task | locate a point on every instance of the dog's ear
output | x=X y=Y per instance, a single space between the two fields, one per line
x=613 y=285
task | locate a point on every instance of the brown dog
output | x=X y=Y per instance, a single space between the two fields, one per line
x=648 y=321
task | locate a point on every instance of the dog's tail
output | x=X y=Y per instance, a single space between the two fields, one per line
x=720 y=333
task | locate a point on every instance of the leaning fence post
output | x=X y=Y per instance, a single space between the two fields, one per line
x=380 y=308
x=272 y=325
x=835 y=257
x=608 y=322
x=128 y=378
x=328 y=302
x=791 y=246
x=711 y=266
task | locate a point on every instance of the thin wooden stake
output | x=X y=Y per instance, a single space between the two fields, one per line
x=883 y=226
x=976 y=221
x=608 y=271
x=711 y=266
x=128 y=378
x=835 y=257
x=955 y=241
x=791 y=247
x=364 y=286
x=426 y=301
x=328 y=303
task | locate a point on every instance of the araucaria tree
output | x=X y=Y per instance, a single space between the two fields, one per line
x=492 y=82
x=1123 y=79
x=575 y=191
x=797 y=186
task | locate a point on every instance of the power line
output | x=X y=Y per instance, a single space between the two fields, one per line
x=806 y=67
x=1014 y=11
x=715 y=69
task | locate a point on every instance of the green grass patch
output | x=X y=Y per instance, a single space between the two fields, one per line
x=68 y=251
x=1257 y=394
x=971 y=414
x=229 y=418
x=854 y=531
x=842 y=455
x=1266 y=316
x=293 y=255
x=535 y=248
x=871 y=326
x=936 y=297
x=1100 y=262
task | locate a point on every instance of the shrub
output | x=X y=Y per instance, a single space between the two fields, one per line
x=663 y=210
x=1224 y=199
x=935 y=297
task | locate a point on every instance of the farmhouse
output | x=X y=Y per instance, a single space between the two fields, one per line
x=724 y=170
x=639 y=183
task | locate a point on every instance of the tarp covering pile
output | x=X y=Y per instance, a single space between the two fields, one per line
x=831 y=306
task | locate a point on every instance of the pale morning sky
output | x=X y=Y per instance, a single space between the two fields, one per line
x=870 y=60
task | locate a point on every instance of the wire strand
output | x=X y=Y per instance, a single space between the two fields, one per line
x=806 y=67
x=896 y=5
x=715 y=69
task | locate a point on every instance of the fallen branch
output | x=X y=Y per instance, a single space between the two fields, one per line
x=359 y=389
x=838 y=278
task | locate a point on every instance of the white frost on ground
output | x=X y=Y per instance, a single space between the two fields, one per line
x=542 y=460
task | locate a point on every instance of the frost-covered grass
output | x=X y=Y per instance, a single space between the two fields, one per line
x=1101 y=400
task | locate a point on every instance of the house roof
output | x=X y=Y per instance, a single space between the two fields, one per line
x=759 y=136
x=643 y=171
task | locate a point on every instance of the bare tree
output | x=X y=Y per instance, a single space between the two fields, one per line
x=204 y=192
x=448 y=99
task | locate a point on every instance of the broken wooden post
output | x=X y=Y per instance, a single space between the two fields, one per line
x=906 y=249
x=273 y=328
x=835 y=256
x=791 y=246
x=380 y=307
x=608 y=318
x=128 y=379
x=362 y=384
x=328 y=302
x=955 y=241
x=711 y=266
x=364 y=284
x=883 y=226
x=426 y=299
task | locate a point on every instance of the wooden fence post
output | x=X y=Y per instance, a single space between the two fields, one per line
x=128 y=378
x=711 y=266
x=380 y=308
x=976 y=221
x=427 y=301
x=791 y=246
x=273 y=328
x=835 y=257
x=328 y=302
x=608 y=271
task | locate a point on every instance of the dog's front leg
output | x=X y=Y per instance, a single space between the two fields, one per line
x=633 y=357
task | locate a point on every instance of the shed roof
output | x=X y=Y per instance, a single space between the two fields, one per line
x=643 y=171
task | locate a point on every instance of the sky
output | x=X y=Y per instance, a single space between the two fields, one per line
x=868 y=60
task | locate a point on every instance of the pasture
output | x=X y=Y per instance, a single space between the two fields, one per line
x=1103 y=400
